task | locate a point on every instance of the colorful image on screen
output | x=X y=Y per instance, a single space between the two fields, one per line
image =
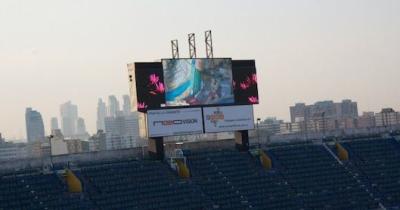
x=150 y=87
x=198 y=81
x=245 y=82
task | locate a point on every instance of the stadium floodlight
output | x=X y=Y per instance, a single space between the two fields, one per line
x=192 y=45
x=209 y=45
x=175 y=49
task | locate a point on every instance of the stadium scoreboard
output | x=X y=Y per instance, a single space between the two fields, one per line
x=195 y=95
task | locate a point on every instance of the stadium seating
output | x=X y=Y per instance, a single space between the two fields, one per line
x=377 y=162
x=232 y=180
x=139 y=185
x=37 y=191
x=318 y=179
x=303 y=176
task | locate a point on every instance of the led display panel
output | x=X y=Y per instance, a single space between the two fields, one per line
x=245 y=82
x=150 y=87
x=191 y=82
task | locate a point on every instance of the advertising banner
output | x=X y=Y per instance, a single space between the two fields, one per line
x=171 y=122
x=228 y=118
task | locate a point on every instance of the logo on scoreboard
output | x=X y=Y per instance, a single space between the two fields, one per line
x=228 y=118
x=175 y=122
x=216 y=116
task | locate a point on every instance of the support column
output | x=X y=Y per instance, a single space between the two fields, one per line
x=156 y=148
x=242 y=140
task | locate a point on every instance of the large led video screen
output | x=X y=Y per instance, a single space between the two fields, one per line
x=150 y=87
x=202 y=81
x=245 y=82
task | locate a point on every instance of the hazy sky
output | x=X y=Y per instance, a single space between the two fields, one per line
x=305 y=50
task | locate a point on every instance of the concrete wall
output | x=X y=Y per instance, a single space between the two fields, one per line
x=169 y=148
x=74 y=158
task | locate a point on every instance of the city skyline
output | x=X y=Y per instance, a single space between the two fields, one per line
x=305 y=51
x=120 y=109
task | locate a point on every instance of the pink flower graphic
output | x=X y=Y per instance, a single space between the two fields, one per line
x=248 y=81
x=154 y=79
x=244 y=85
x=160 y=88
x=142 y=105
x=254 y=78
x=253 y=99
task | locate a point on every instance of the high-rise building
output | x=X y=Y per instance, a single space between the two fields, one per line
x=271 y=125
x=126 y=108
x=101 y=114
x=34 y=125
x=54 y=123
x=387 y=117
x=348 y=109
x=366 y=120
x=324 y=109
x=10 y=150
x=81 y=127
x=113 y=106
x=122 y=131
x=325 y=115
x=69 y=118
x=298 y=111
x=97 y=142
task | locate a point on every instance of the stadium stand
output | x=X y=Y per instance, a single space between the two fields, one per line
x=377 y=162
x=303 y=176
x=32 y=190
x=139 y=185
x=232 y=180
x=318 y=179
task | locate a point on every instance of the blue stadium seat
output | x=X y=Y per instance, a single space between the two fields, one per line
x=377 y=163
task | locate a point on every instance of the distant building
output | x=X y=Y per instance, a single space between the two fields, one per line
x=101 y=114
x=327 y=109
x=34 y=125
x=270 y=125
x=324 y=116
x=69 y=118
x=387 y=117
x=2 y=140
x=298 y=111
x=126 y=108
x=10 y=151
x=97 y=142
x=39 y=149
x=81 y=127
x=366 y=120
x=61 y=146
x=58 y=145
x=77 y=146
x=113 y=106
x=122 y=131
x=286 y=128
x=348 y=109
x=54 y=124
